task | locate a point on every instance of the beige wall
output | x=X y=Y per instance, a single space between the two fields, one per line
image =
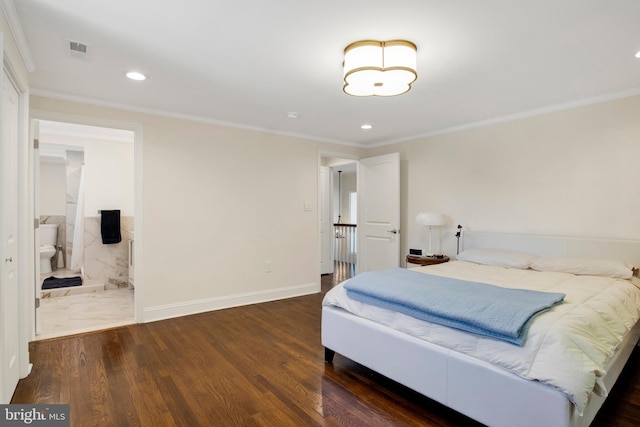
x=572 y=172
x=217 y=204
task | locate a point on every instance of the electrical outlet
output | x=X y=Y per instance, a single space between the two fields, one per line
x=268 y=266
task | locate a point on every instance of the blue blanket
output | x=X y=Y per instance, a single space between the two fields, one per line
x=479 y=308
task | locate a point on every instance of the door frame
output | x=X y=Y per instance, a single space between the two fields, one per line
x=324 y=212
x=333 y=154
x=136 y=128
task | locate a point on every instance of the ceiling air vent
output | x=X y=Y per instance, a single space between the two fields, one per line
x=77 y=49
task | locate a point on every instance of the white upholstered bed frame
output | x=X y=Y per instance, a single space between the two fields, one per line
x=472 y=387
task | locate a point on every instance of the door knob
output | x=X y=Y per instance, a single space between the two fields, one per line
x=9 y=259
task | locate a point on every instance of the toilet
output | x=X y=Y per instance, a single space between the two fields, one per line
x=48 y=240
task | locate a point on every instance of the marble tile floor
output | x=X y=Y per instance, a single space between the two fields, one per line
x=72 y=314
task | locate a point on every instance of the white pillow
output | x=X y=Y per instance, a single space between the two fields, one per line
x=498 y=257
x=584 y=266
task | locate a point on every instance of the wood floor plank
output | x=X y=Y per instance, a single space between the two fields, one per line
x=259 y=365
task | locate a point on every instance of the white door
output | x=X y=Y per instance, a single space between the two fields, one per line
x=9 y=280
x=326 y=226
x=379 y=212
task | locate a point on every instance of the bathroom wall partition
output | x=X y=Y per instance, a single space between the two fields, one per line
x=77 y=254
x=75 y=227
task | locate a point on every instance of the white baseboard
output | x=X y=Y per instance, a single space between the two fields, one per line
x=152 y=314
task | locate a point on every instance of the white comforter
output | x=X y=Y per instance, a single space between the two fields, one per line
x=567 y=347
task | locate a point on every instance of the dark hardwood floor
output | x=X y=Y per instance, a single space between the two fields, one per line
x=257 y=365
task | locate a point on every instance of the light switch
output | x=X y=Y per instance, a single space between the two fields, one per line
x=307 y=206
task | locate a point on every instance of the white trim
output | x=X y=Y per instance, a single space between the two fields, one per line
x=138 y=224
x=15 y=26
x=521 y=115
x=162 y=312
x=482 y=123
x=338 y=155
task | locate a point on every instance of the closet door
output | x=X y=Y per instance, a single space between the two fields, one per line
x=9 y=274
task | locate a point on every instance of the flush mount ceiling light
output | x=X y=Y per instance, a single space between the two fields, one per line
x=379 y=68
x=135 y=75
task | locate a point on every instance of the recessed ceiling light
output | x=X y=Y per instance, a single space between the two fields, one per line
x=292 y=115
x=135 y=75
x=638 y=55
x=366 y=126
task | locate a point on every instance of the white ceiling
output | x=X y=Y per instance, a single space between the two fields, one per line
x=248 y=63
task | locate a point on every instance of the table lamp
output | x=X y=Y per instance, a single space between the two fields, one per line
x=430 y=219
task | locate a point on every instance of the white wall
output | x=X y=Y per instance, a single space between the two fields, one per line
x=109 y=177
x=53 y=179
x=340 y=194
x=572 y=173
x=108 y=173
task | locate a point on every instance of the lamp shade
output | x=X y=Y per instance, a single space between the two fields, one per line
x=379 y=68
x=430 y=218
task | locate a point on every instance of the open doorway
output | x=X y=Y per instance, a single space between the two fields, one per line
x=376 y=205
x=85 y=280
x=338 y=219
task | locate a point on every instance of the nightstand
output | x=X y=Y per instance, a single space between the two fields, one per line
x=425 y=260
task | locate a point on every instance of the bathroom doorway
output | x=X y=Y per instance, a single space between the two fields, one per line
x=84 y=171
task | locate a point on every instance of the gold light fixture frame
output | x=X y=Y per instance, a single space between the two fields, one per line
x=379 y=68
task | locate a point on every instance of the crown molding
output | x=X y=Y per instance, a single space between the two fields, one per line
x=15 y=26
x=179 y=116
x=454 y=129
x=524 y=114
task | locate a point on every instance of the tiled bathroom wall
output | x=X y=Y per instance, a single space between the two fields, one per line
x=108 y=264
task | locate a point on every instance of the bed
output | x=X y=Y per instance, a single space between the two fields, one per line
x=499 y=383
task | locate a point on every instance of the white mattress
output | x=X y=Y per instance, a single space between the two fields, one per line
x=566 y=347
